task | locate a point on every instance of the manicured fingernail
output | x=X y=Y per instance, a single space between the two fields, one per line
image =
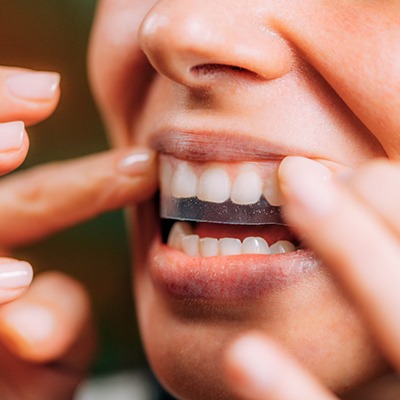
x=33 y=85
x=15 y=274
x=137 y=162
x=15 y=277
x=308 y=183
x=32 y=323
x=11 y=135
x=250 y=355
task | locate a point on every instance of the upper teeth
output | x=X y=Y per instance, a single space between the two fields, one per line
x=213 y=185
x=242 y=183
x=182 y=238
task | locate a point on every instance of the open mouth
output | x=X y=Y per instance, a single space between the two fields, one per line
x=234 y=208
x=223 y=236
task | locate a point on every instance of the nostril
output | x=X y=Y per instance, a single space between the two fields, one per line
x=216 y=70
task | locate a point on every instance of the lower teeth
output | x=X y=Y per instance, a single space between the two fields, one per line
x=182 y=238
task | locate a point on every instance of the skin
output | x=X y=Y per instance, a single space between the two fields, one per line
x=331 y=69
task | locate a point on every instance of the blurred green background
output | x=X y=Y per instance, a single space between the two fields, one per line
x=53 y=35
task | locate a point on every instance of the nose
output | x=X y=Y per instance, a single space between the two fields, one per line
x=196 y=42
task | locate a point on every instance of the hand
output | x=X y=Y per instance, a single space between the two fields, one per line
x=46 y=332
x=320 y=205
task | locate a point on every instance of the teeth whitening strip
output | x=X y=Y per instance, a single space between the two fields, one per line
x=229 y=193
x=193 y=209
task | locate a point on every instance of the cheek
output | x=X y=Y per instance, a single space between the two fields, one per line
x=355 y=47
x=115 y=61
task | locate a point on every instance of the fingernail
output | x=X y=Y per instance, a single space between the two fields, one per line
x=15 y=277
x=137 y=162
x=309 y=184
x=11 y=135
x=33 y=85
x=15 y=274
x=33 y=324
x=252 y=358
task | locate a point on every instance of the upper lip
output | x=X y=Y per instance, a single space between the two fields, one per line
x=211 y=146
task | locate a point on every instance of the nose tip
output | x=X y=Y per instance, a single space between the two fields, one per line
x=195 y=48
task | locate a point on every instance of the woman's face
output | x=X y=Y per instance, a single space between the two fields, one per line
x=226 y=89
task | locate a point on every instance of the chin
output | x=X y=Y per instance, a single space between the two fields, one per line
x=190 y=308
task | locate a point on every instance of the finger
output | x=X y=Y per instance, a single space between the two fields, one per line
x=27 y=95
x=258 y=369
x=51 y=322
x=14 y=145
x=376 y=186
x=37 y=202
x=15 y=277
x=351 y=238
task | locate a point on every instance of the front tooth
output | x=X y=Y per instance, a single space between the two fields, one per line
x=255 y=245
x=209 y=247
x=247 y=188
x=214 y=185
x=282 y=246
x=184 y=181
x=230 y=247
x=190 y=245
x=271 y=190
x=178 y=231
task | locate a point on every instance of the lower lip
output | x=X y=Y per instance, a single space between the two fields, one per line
x=233 y=278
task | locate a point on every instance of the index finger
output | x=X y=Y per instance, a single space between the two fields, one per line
x=258 y=369
x=353 y=240
x=38 y=202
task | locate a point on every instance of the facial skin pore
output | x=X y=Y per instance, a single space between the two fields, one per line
x=302 y=78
